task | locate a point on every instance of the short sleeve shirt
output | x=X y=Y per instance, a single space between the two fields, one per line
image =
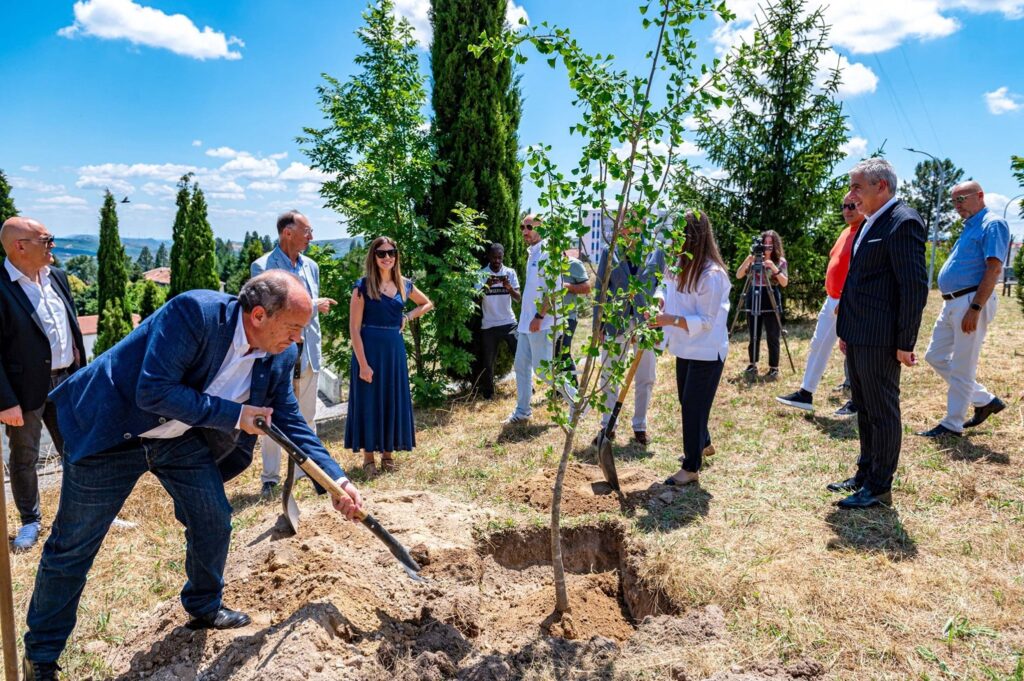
x=497 y=302
x=577 y=275
x=985 y=236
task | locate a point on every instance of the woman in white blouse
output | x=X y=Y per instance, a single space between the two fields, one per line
x=695 y=307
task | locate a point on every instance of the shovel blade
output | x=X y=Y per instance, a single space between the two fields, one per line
x=606 y=462
x=291 y=514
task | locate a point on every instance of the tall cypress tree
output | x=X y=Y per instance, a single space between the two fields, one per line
x=162 y=259
x=7 y=209
x=145 y=259
x=179 y=266
x=476 y=116
x=112 y=280
x=200 y=248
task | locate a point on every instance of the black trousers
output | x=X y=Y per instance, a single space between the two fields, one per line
x=489 y=340
x=767 y=325
x=875 y=384
x=696 y=382
x=24 y=441
x=563 y=348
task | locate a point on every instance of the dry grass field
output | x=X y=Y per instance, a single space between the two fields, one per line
x=932 y=588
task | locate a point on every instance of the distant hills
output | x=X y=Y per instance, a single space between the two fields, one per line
x=87 y=244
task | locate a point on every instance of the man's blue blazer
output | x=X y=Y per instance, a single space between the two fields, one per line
x=159 y=372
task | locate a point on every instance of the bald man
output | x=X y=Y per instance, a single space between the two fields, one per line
x=178 y=398
x=966 y=282
x=40 y=346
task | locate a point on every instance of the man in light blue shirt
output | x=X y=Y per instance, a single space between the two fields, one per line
x=294 y=235
x=966 y=282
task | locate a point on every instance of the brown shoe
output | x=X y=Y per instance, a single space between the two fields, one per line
x=388 y=465
x=708 y=451
x=369 y=469
x=641 y=437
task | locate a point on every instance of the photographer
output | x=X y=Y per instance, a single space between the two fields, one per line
x=500 y=287
x=767 y=248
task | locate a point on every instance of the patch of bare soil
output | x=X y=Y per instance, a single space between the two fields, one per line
x=332 y=603
x=585 y=490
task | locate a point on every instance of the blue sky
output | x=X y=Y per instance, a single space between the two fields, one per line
x=130 y=94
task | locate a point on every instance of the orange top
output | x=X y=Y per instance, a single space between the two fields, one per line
x=839 y=261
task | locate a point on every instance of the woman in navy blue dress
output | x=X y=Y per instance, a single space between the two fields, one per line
x=379 y=400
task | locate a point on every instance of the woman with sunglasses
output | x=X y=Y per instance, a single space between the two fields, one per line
x=379 y=399
x=695 y=308
x=777 y=270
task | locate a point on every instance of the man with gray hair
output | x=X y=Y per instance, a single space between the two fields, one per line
x=294 y=234
x=966 y=283
x=178 y=398
x=878 y=320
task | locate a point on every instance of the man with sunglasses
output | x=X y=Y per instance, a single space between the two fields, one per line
x=966 y=282
x=40 y=346
x=825 y=337
x=294 y=234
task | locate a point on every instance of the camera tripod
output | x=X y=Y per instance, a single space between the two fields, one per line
x=757 y=272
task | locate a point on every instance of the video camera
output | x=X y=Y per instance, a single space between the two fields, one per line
x=757 y=246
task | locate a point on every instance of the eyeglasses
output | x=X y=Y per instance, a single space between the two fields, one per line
x=849 y=206
x=47 y=240
x=386 y=253
x=960 y=199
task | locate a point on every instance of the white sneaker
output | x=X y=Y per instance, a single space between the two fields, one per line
x=515 y=420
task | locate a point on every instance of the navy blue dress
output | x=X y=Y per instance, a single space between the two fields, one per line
x=380 y=413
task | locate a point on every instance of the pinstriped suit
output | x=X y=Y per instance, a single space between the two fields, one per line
x=879 y=313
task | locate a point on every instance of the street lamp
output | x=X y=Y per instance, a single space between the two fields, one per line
x=935 y=213
x=1009 y=247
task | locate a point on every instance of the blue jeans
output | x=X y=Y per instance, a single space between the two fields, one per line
x=93 y=491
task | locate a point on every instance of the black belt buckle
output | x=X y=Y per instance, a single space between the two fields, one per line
x=297 y=372
x=956 y=294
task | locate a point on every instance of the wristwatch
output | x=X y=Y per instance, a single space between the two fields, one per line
x=675 y=320
x=538 y=315
x=975 y=307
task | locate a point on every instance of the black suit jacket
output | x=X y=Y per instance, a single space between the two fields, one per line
x=24 y=348
x=887 y=287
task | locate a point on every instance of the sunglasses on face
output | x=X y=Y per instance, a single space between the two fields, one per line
x=386 y=253
x=849 y=206
x=46 y=240
x=960 y=199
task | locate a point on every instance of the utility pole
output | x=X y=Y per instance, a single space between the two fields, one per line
x=935 y=212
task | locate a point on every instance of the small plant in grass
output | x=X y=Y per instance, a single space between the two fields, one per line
x=958 y=628
x=631 y=137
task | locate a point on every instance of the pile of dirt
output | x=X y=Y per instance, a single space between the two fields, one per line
x=332 y=603
x=584 y=489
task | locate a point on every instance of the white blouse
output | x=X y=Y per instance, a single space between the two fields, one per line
x=706 y=311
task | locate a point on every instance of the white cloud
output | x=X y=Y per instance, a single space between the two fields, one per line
x=30 y=169
x=65 y=201
x=245 y=165
x=197 y=143
x=660 y=149
x=1002 y=101
x=267 y=186
x=235 y=212
x=228 y=196
x=114 y=184
x=222 y=152
x=417 y=12
x=169 y=172
x=36 y=186
x=300 y=171
x=996 y=203
x=856 y=78
x=856 y=147
x=126 y=20
x=309 y=188
x=162 y=190
x=279 y=156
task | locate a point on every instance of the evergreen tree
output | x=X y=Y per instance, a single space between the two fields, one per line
x=921 y=191
x=152 y=299
x=115 y=323
x=268 y=243
x=145 y=259
x=83 y=267
x=112 y=278
x=7 y=209
x=780 y=143
x=200 y=250
x=162 y=259
x=251 y=250
x=476 y=116
x=179 y=245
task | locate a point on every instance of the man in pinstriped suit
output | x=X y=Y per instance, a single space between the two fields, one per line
x=879 y=317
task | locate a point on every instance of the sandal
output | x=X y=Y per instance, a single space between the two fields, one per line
x=388 y=465
x=671 y=481
x=369 y=469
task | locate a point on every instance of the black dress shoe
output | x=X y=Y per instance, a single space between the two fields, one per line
x=848 y=485
x=39 y=671
x=641 y=437
x=225 y=618
x=940 y=431
x=865 y=498
x=983 y=412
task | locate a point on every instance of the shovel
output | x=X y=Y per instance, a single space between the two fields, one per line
x=317 y=474
x=605 y=460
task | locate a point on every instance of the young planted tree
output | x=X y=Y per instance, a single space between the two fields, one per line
x=7 y=209
x=112 y=279
x=630 y=155
x=1017 y=166
x=779 y=142
x=377 y=147
x=179 y=233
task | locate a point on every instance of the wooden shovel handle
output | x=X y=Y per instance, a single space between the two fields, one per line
x=624 y=390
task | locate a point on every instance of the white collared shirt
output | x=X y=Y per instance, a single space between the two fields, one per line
x=535 y=288
x=232 y=382
x=706 y=311
x=51 y=312
x=870 y=221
